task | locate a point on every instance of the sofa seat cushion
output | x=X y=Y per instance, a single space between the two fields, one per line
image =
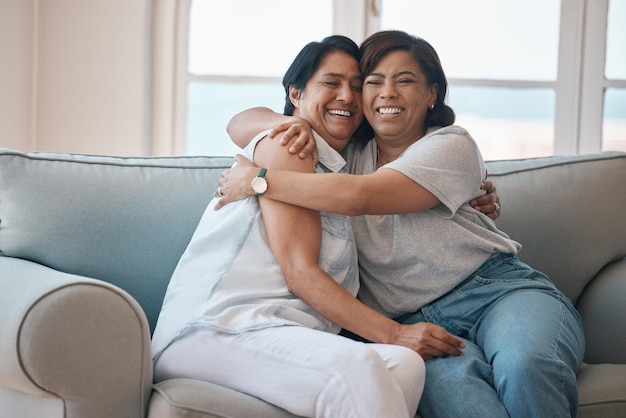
x=602 y=390
x=188 y=398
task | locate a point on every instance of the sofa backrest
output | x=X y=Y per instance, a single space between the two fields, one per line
x=122 y=220
x=127 y=221
x=569 y=213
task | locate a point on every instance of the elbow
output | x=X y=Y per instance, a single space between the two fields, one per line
x=231 y=125
x=293 y=278
x=358 y=201
x=360 y=206
x=297 y=276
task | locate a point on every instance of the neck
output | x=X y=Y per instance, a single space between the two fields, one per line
x=387 y=151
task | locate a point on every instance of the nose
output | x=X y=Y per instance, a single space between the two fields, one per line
x=345 y=94
x=388 y=91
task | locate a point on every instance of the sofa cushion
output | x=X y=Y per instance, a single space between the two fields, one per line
x=603 y=310
x=566 y=211
x=189 y=398
x=602 y=390
x=122 y=220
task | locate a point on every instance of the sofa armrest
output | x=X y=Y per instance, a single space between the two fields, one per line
x=602 y=306
x=78 y=339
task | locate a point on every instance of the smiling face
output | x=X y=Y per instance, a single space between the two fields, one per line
x=331 y=99
x=396 y=98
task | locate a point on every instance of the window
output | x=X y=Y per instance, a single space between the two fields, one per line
x=238 y=53
x=501 y=69
x=527 y=77
x=614 y=115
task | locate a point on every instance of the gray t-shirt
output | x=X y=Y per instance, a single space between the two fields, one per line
x=409 y=260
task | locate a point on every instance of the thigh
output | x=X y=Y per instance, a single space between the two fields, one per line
x=530 y=323
x=460 y=310
x=535 y=343
x=253 y=356
x=305 y=371
x=461 y=386
x=286 y=366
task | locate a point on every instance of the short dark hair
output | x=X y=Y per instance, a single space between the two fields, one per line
x=378 y=45
x=308 y=61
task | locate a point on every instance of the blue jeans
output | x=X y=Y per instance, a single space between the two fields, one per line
x=524 y=345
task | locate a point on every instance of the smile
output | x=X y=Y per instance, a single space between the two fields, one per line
x=389 y=110
x=338 y=112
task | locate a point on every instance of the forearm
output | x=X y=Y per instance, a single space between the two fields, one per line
x=382 y=193
x=245 y=125
x=337 y=305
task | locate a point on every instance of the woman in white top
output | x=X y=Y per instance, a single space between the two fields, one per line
x=426 y=257
x=260 y=294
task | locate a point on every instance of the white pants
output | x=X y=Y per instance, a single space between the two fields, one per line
x=307 y=372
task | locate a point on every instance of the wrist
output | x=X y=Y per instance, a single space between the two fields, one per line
x=258 y=183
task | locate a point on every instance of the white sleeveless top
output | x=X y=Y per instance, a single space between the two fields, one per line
x=229 y=280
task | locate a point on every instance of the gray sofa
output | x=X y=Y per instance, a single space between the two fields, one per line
x=88 y=243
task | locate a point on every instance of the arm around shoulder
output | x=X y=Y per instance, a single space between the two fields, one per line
x=246 y=124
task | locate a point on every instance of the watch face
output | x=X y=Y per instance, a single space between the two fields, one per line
x=259 y=185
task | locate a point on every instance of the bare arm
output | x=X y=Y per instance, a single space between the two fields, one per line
x=245 y=125
x=295 y=237
x=290 y=130
x=385 y=191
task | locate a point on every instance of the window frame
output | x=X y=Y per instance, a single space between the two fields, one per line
x=579 y=87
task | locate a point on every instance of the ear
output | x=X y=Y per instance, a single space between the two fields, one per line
x=294 y=96
x=434 y=90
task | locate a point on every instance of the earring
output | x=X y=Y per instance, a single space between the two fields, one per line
x=432 y=106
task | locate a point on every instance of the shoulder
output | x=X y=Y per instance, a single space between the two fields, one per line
x=451 y=147
x=449 y=138
x=269 y=153
x=452 y=131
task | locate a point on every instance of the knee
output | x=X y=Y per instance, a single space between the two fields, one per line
x=366 y=358
x=411 y=365
x=527 y=368
x=403 y=364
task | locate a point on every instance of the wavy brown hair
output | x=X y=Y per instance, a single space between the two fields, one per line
x=378 y=45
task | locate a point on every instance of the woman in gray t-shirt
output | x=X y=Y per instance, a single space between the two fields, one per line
x=427 y=257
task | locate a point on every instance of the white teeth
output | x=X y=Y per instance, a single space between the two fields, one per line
x=339 y=112
x=389 y=110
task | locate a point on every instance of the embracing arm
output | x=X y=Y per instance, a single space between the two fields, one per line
x=294 y=131
x=245 y=125
x=385 y=191
x=295 y=234
x=297 y=133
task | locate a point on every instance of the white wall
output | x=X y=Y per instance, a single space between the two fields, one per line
x=75 y=76
x=16 y=73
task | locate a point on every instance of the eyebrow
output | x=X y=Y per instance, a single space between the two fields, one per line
x=396 y=75
x=358 y=78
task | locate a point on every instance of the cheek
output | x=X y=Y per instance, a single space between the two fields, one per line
x=367 y=98
x=368 y=111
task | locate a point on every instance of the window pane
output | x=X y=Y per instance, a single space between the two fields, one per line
x=616 y=41
x=212 y=105
x=252 y=37
x=506 y=123
x=614 y=124
x=484 y=39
